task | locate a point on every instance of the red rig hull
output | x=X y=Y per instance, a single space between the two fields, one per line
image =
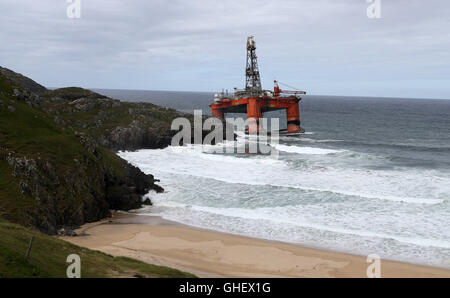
x=254 y=107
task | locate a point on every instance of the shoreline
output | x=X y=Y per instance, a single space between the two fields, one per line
x=208 y=253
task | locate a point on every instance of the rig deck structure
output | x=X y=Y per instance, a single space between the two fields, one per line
x=255 y=101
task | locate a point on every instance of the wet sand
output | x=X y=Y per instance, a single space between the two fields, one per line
x=213 y=254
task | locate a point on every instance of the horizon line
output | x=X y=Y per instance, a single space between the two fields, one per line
x=212 y=92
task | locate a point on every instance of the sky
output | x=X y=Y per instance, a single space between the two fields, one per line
x=326 y=47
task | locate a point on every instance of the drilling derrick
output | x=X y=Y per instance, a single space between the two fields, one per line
x=252 y=77
x=254 y=101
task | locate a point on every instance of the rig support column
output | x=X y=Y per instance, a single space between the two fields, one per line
x=216 y=112
x=253 y=115
x=293 y=118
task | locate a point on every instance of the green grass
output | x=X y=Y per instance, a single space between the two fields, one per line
x=48 y=258
x=12 y=203
x=29 y=130
x=32 y=133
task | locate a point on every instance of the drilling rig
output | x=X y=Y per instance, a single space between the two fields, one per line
x=254 y=101
x=252 y=77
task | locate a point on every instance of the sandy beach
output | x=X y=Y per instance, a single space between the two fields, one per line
x=212 y=254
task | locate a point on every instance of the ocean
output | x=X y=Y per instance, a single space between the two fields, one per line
x=369 y=176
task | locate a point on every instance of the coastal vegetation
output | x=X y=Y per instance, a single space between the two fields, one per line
x=48 y=258
x=59 y=170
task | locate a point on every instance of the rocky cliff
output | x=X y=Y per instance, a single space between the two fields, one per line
x=54 y=170
x=57 y=162
x=113 y=124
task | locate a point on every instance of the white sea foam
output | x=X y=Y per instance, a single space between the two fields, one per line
x=320 y=197
x=263 y=170
x=274 y=215
x=304 y=150
x=303 y=139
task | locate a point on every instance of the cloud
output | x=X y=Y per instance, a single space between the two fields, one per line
x=323 y=46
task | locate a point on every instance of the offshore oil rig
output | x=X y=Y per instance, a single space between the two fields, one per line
x=254 y=101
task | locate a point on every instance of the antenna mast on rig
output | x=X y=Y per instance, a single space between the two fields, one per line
x=253 y=79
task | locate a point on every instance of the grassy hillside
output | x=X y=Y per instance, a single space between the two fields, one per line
x=21 y=80
x=57 y=172
x=51 y=176
x=48 y=258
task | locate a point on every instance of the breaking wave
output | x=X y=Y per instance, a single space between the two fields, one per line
x=328 y=198
x=304 y=150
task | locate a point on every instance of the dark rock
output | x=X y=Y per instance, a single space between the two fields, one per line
x=67 y=231
x=88 y=184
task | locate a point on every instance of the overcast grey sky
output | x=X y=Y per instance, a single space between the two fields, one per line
x=322 y=46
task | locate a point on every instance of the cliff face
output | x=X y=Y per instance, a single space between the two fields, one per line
x=56 y=164
x=114 y=124
x=53 y=175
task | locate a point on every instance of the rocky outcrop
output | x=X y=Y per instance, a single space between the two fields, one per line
x=58 y=177
x=136 y=136
x=58 y=190
x=114 y=124
x=82 y=193
x=127 y=193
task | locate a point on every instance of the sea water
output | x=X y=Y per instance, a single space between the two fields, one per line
x=369 y=176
